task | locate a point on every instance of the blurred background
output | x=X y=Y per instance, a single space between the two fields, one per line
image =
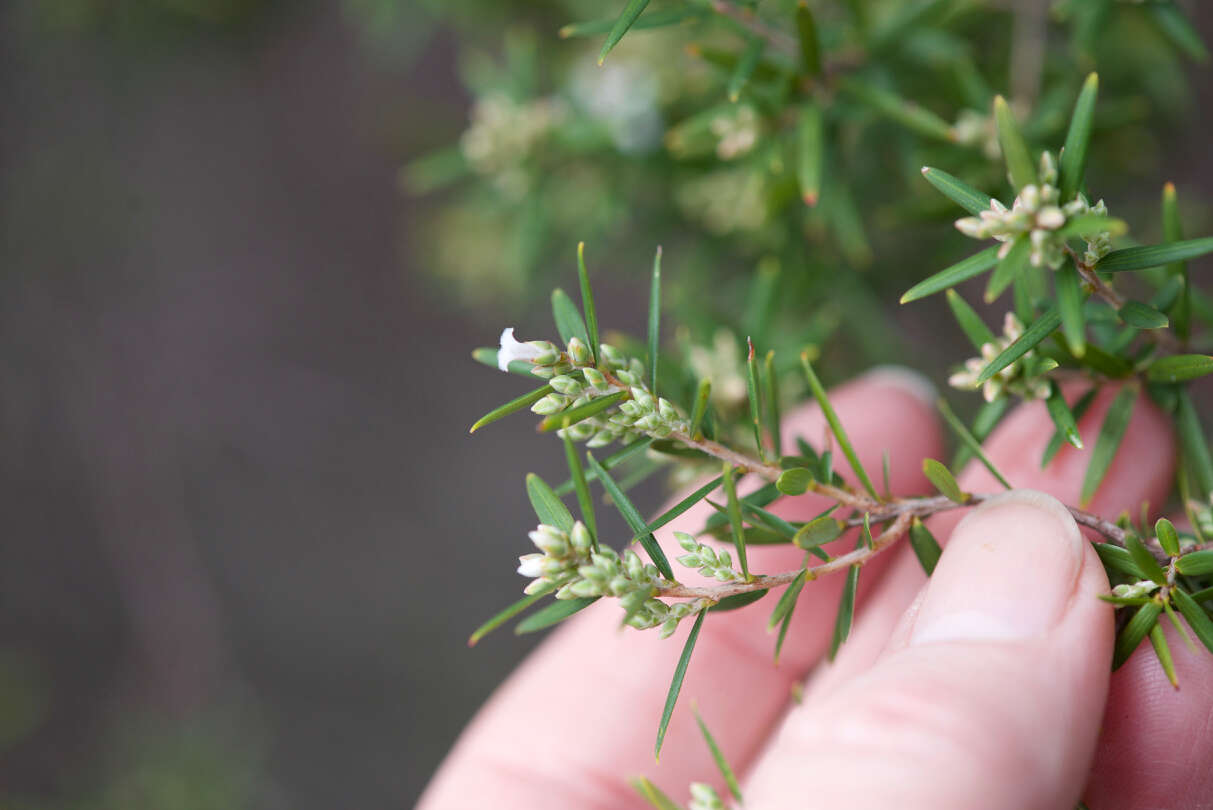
x=237 y=301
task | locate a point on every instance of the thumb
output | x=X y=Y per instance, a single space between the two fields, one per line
x=989 y=694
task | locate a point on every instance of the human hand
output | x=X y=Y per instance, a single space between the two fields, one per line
x=985 y=687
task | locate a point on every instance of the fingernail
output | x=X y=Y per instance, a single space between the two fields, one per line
x=1007 y=573
x=908 y=380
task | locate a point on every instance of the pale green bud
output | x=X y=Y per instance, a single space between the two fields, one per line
x=594 y=377
x=627 y=378
x=552 y=403
x=580 y=538
x=686 y=541
x=578 y=351
x=545 y=354
x=613 y=356
x=566 y=385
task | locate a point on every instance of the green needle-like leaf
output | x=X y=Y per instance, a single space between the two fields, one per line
x=1171 y=19
x=974 y=327
x=810 y=143
x=680 y=507
x=806 y=33
x=506 y=614
x=1180 y=368
x=846 y=612
x=770 y=395
x=632 y=517
x=1009 y=267
x=964 y=270
x=654 y=320
x=568 y=320
x=610 y=462
x=1144 y=256
x=721 y=763
x=574 y=415
x=1054 y=445
x=903 y=111
x=1073 y=159
x=1198 y=620
x=1118 y=559
x=1020 y=167
x=737 y=601
x=943 y=480
x=582 y=487
x=1040 y=329
x=701 y=406
x=524 y=401
x=1144 y=559
x=552 y=614
x=547 y=504
x=1092 y=224
x=745 y=67
x=1062 y=417
x=1069 y=305
x=654 y=19
x=957 y=190
x=1193 y=445
x=925 y=546
x=626 y=18
x=987 y=418
x=1172 y=231
x=680 y=672
x=1115 y=423
x=785 y=609
x=1143 y=621
x=587 y=301
x=969 y=440
x=1142 y=316
x=751 y=389
x=844 y=442
x=1159 y=641
x=1168 y=538
x=653 y=795
x=734 y=512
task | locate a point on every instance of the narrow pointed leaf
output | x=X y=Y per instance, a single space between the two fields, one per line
x=969 y=440
x=987 y=418
x=1118 y=559
x=1171 y=19
x=787 y=601
x=751 y=389
x=547 y=504
x=1180 y=368
x=745 y=67
x=632 y=517
x=582 y=487
x=770 y=395
x=1142 y=316
x=701 y=406
x=654 y=320
x=1009 y=267
x=1080 y=408
x=524 y=401
x=734 y=513
x=610 y=462
x=926 y=547
x=806 y=34
x=974 y=327
x=958 y=191
x=568 y=320
x=1197 y=619
x=625 y=20
x=680 y=672
x=1144 y=559
x=506 y=614
x=1092 y=224
x=653 y=795
x=785 y=621
x=1062 y=417
x=810 y=158
x=722 y=764
x=587 y=301
x=1172 y=231
x=1159 y=641
x=1139 y=258
x=654 y=19
x=943 y=480
x=844 y=442
x=574 y=415
x=553 y=614
x=1143 y=621
x=738 y=600
x=1069 y=305
x=681 y=507
x=1168 y=538
x=964 y=270
x=1040 y=329
x=846 y=612
x=1115 y=423
x=1020 y=166
x=1073 y=160
x=903 y=111
x=1193 y=445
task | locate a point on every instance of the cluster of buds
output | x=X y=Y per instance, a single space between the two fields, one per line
x=704 y=797
x=576 y=381
x=562 y=554
x=710 y=562
x=1038 y=216
x=737 y=132
x=1135 y=590
x=504 y=133
x=654 y=612
x=1024 y=377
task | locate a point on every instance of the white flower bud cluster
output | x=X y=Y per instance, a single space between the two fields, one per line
x=704 y=797
x=654 y=612
x=1136 y=590
x=1014 y=379
x=736 y=131
x=504 y=133
x=710 y=562
x=1037 y=215
x=562 y=553
x=577 y=381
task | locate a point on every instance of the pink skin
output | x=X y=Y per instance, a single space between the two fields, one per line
x=579 y=716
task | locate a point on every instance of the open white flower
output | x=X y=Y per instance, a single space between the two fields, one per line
x=512 y=349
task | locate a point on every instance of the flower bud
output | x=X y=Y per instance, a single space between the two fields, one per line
x=552 y=403
x=578 y=351
x=580 y=538
x=613 y=356
x=686 y=541
x=531 y=565
x=594 y=377
x=666 y=409
x=566 y=385
x=1050 y=217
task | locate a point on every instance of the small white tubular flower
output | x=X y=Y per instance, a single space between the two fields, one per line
x=531 y=565
x=512 y=350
